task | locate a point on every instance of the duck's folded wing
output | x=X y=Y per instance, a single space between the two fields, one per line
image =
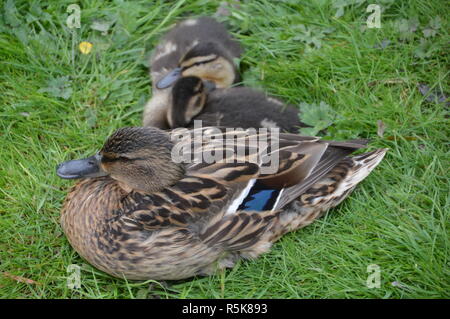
x=215 y=188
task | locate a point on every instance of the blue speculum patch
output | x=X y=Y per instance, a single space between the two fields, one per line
x=260 y=198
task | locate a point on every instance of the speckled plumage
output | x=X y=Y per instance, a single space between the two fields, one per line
x=185 y=228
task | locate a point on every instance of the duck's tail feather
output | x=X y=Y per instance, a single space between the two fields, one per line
x=340 y=182
x=334 y=154
x=330 y=190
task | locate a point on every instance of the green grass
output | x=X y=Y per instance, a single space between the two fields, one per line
x=398 y=218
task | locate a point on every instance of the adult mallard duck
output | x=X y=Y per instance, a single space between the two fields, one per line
x=244 y=107
x=143 y=211
x=200 y=47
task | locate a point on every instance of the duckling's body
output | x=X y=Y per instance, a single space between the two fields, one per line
x=142 y=215
x=200 y=47
x=245 y=107
x=240 y=107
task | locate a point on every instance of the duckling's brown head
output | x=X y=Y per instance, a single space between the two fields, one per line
x=206 y=60
x=189 y=96
x=139 y=158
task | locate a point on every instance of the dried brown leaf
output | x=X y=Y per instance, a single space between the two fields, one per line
x=381 y=127
x=408 y=138
x=20 y=279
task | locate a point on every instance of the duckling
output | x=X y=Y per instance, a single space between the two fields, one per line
x=200 y=47
x=141 y=212
x=194 y=99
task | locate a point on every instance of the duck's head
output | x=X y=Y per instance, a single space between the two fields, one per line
x=208 y=61
x=139 y=158
x=189 y=96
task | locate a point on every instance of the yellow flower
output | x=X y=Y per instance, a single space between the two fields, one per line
x=85 y=47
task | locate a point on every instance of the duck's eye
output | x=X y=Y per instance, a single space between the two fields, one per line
x=115 y=159
x=106 y=159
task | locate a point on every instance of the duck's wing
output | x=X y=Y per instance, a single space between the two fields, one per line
x=217 y=187
x=217 y=190
x=287 y=162
x=251 y=232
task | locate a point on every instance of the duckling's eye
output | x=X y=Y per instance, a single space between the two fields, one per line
x=198 y=89
x=200 y=63
x=197 y=100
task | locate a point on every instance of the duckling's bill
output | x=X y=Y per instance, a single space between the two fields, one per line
x=87 y=167
x=169 y=79
x=209 y=86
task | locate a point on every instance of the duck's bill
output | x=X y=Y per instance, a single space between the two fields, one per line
x=88 y=167
x=169 y=79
